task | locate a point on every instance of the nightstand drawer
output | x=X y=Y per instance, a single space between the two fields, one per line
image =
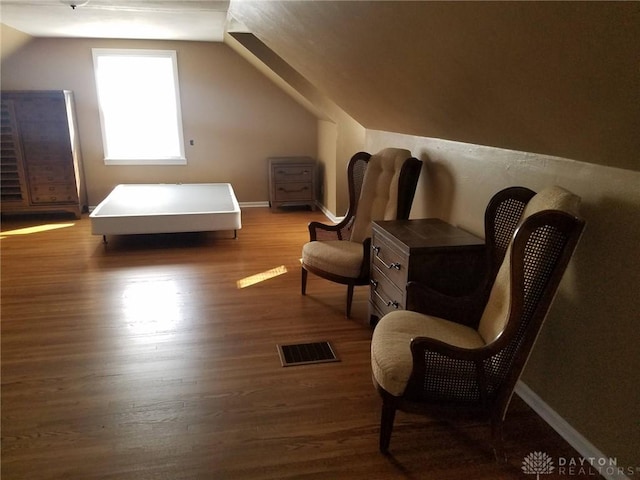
x=385 y=295
x=292 y=173
x=389 y=260
x=286 y=192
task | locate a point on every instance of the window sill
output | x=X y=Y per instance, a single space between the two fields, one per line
x=140 y=161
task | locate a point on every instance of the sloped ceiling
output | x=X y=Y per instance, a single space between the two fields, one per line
x=559 y=78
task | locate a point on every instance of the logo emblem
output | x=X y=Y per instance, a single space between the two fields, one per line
x=537 y=463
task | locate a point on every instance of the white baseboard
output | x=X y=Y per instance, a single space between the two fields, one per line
x=585 y=448
x=253 y=204
x=328 y=214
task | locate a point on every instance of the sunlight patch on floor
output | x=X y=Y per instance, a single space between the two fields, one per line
x=152 y=306
x=261 y=277
x=36 y=229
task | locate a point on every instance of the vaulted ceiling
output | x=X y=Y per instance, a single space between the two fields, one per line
x=559 y=78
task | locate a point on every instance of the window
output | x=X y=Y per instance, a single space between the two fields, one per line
x=138 y=96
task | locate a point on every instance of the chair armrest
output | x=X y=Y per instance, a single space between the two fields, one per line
x=465 y=310
x=465 y=364
x=322 y=231
x=314 y=227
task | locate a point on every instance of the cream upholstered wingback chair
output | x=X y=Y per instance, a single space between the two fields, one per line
x=381 y=187
x=444 y=363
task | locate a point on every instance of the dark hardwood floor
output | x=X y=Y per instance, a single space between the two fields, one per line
x=145 y=360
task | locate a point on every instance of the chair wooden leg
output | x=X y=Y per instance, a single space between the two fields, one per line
x=386 y=425
x=498 y=441
x=304 y=281
x=349 y=299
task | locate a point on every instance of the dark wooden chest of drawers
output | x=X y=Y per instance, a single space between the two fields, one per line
x=40 y=167
x=430 y=251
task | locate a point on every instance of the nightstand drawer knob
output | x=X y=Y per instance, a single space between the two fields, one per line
x=388 y=303
x=395 y=265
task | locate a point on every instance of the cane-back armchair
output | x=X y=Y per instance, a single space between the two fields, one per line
x=381 y=187
x=454 y=355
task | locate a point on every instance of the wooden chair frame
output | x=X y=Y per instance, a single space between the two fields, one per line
x=407 y=184
x=528 y=309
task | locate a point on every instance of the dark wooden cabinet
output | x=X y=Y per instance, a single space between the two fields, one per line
x=430 y=251
x=292 y=181
x=41 y=165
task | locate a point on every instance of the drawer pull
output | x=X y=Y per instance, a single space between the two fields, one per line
x=284 y=172
x=282 y=189
x=388 y=303
x=395 y=265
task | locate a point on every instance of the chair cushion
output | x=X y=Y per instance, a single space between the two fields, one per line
x=391 y=359
x=496 y=314
x=379 y=194
x=339 y=257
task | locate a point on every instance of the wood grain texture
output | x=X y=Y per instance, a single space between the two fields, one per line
x=144 y=360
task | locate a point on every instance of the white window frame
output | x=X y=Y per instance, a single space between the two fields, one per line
x=109 y=159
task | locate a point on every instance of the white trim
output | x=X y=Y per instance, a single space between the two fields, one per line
x=585 y=448
x=328 y=214
x=148 y=162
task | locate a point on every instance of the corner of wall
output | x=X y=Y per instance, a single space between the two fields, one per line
x=11 y=40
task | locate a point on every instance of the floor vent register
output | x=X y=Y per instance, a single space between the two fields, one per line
x=306 y=353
